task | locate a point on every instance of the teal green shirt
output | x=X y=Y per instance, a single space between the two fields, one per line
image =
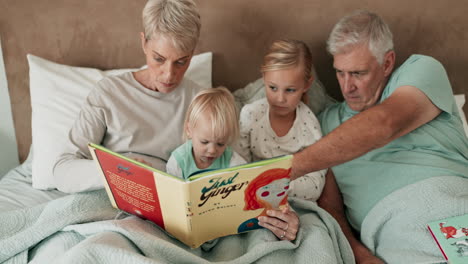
x=437 y=148
x=184 y=157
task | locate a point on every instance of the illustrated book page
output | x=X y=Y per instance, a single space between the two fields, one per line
x=451 y=235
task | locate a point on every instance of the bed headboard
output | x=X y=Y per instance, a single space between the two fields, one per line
x=105 y=34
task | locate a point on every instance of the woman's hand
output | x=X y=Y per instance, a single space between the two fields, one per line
x=283 y=223
x=143 y=161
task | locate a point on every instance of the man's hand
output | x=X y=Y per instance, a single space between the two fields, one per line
x=368 y=258
x=332 y=202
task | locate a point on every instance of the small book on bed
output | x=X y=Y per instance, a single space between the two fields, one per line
x=451 y=235
x=209 y=205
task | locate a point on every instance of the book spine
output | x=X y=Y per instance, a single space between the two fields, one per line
x=437 y=241
x=188 y=212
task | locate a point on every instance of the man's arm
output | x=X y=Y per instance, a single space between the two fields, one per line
x=405 y=110
x=332 y=202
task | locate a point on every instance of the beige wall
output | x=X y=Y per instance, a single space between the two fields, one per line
x=104 y=34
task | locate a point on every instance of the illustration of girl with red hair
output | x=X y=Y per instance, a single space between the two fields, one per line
x=268 y=191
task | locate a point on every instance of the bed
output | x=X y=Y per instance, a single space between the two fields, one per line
x=71 y=46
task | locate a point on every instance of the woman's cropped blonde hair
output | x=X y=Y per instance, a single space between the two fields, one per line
x=177 y=19
x=219 y=105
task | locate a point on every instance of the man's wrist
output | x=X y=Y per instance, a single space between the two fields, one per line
x=364 y=255
x=294 y=168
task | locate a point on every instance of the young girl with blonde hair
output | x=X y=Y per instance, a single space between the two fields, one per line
x=211 y=125
x=282 y=123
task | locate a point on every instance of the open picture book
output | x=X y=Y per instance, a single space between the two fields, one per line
x=451 y=235
x=209 y=205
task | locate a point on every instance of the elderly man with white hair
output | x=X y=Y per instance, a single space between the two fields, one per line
x=396 y=146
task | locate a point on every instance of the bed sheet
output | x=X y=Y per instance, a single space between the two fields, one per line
x=16 y=189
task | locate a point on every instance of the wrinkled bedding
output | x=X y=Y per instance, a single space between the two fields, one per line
x=403 y=216
x=16 y=190
x=84 y=228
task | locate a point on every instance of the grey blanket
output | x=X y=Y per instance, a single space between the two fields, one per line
x=83 y=228
x=396 y=228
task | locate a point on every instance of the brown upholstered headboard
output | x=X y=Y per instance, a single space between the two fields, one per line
x=105 y=34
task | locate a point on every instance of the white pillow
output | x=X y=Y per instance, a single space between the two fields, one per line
x=460 y=101
x=57 y=94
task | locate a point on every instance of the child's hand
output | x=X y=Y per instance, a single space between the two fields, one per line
x=143 y=161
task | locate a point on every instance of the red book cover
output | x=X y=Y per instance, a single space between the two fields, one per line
x=133 y=187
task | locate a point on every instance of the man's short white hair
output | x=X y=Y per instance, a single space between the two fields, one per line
x=361 y=27
x=178 y=20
